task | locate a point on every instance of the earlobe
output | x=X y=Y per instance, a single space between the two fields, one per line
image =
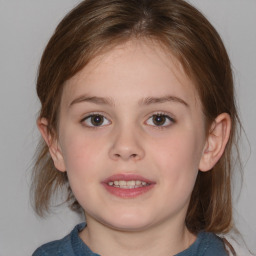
x=216 y=142
x=52 y=143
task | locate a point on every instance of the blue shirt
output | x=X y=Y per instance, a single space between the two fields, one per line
x=206 y=244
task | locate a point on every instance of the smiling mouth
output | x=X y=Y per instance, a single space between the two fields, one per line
x=131 y=184
x=127 y=185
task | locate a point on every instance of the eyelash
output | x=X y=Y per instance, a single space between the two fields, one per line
x=166 y=117
x=101 y=124
x=90 y=116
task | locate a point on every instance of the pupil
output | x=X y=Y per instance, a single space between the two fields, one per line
x=159 y=120
x=97 y=120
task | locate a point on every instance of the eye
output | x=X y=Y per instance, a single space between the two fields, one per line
x=95 y=120
x=161 y=120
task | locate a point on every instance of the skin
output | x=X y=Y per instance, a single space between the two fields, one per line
x=129 y=142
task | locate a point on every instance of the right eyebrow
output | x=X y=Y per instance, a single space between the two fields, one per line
x=93 y=99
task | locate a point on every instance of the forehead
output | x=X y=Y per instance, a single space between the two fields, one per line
x=138 y=64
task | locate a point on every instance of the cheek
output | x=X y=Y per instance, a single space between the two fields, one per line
x=82 y=158
x=81 y=154
x=178 y=159
x=178 y=151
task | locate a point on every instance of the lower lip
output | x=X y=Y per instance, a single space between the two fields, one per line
x=127 y=193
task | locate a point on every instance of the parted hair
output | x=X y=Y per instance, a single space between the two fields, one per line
x=96 y=26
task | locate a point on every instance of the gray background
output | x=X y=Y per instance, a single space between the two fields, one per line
x=25 y=27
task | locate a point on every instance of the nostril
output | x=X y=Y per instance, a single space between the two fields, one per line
x=121 y=156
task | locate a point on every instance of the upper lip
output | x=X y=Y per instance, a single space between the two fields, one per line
x=127 y=177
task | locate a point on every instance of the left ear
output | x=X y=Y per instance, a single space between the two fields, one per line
x=215 y=142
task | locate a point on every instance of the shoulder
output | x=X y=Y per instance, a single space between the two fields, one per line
x=56 y=248
x=62 y=247
x=212 y=245
x=206 y=244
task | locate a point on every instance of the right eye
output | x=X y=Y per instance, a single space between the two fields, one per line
x=95 y=120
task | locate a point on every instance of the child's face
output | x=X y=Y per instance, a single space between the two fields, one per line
x=131 y=114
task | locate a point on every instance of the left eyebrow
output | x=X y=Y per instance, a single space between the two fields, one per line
x=154 y=100
x=92 y=99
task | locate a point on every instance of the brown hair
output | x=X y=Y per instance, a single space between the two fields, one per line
x=96 y=25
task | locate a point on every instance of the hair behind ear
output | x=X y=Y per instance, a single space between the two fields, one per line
x=46 y=179
x=210 y=206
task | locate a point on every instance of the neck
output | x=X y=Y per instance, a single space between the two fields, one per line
x=161 y=240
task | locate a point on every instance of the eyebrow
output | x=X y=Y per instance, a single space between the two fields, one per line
x=93 y=99
x=144 y=101
x=154 y=100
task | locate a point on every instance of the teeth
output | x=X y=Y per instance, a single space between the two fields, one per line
x=130 y=183
x=122 y=183
x=127 y=184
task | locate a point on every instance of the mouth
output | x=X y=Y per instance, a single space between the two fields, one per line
x=127 y=185
x=130 y=184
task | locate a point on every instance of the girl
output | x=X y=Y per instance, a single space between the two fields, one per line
x=138 y=119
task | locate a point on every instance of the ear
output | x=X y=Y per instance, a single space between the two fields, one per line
x=54 y=148
x=215 y=142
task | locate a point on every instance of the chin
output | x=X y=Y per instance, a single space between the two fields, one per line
x=127 y=222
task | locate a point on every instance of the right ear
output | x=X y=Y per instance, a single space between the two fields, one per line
x=53 y=144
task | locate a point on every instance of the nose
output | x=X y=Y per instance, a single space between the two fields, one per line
x=126 y=145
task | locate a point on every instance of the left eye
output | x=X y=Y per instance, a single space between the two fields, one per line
x=160 y=120
x=95 y=120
